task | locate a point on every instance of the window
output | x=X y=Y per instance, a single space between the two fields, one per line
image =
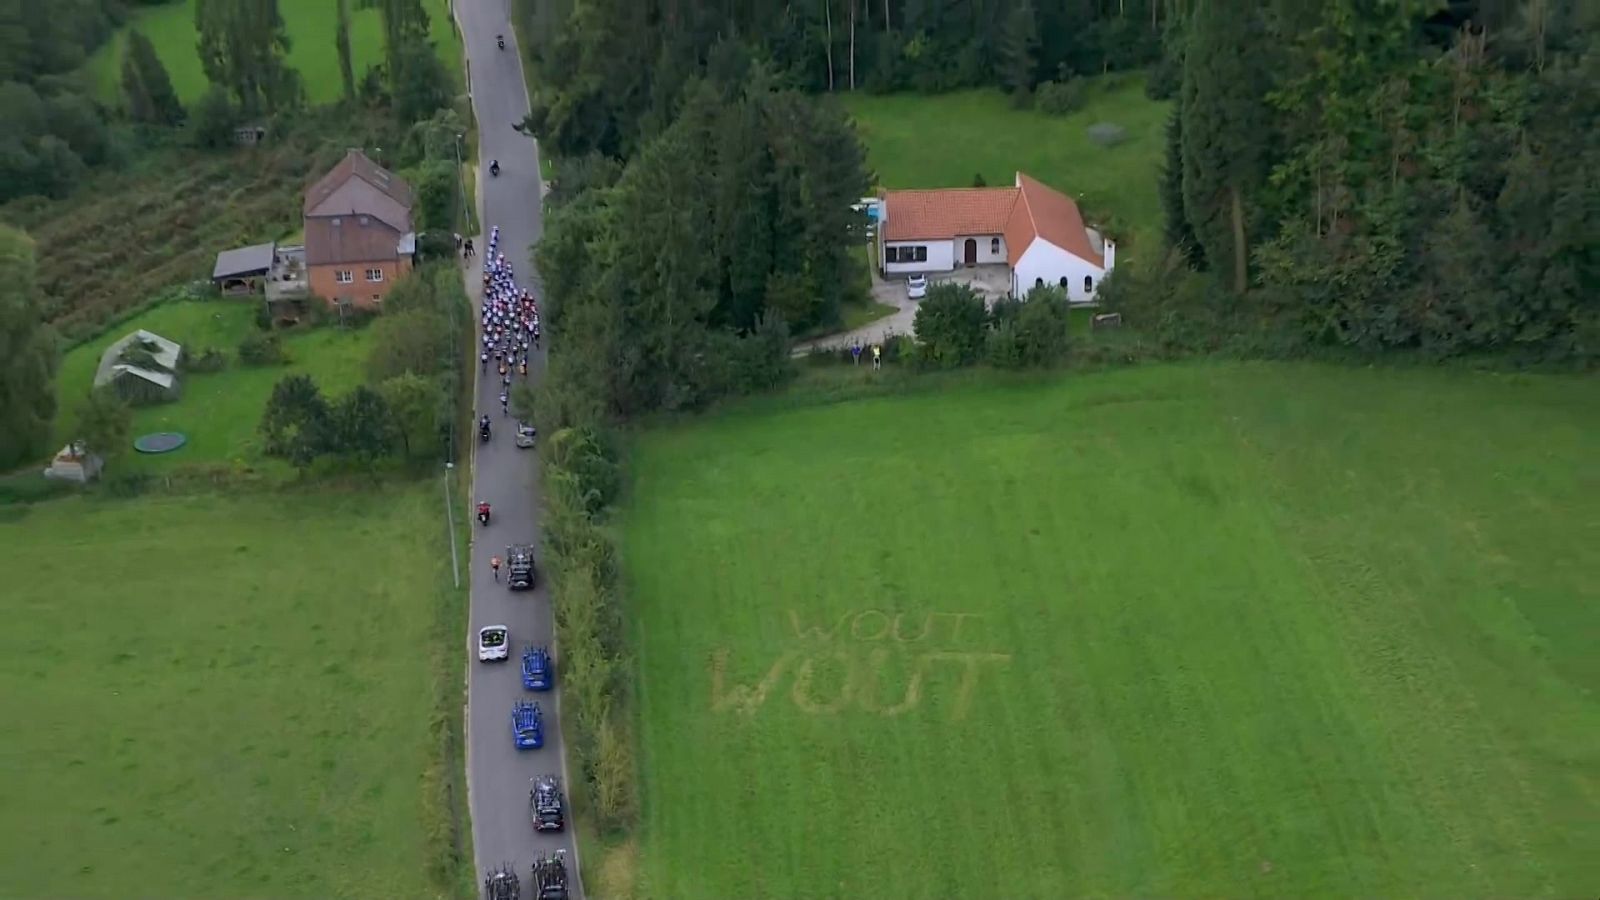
x=336 y=222
x=994 y=246
x=344 y=276
x=921 y=254
x=374 y=275
x=1063 y=282
x=1038 y=282
x=1088 y=284
x=906 y=254
x=365 y=220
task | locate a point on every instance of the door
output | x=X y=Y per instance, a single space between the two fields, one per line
x=972 y=252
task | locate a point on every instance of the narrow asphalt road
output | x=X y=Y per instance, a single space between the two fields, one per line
x=498 y=775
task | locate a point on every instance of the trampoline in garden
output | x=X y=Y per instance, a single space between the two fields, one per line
x=160 y=442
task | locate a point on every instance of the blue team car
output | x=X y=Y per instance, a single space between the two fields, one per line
x=527 y=725
x=538 y=672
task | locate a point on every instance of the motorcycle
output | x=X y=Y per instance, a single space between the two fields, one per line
x=494 y=168
x=501 y=40
x=483 y=516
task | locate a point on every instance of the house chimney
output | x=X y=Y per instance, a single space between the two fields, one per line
x=1111 y=254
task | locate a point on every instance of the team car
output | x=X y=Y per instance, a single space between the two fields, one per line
x=527 y=725
x=538 y=673
x=494 y=643
x=545 y=805
x=519 y=566
x=550 y=877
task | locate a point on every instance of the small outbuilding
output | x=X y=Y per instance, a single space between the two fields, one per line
x=242 y=271
x=74 y=463
x=142 y=368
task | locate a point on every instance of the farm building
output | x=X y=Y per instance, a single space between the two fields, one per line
x=1035 y=232
x=142 y=367
x=359 y=237
x=241 y=271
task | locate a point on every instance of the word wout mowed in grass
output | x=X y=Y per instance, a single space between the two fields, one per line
x=870 y=660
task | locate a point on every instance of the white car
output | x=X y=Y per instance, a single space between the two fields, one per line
x=917 y=287
x=525 y=435
x=494 y=643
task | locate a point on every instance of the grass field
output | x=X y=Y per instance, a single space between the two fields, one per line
x=221 y=696
x=928 y=141
x=218 y=411
x=1197 y=630
x=311 y=25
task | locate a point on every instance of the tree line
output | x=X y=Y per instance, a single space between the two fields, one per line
x=55 y=131
x=1382 y=175
x=675 y=279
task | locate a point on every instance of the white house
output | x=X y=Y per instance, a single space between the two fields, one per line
x=1036 y=232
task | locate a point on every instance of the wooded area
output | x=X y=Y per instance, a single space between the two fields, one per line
x=1387 y=175
x=1362 y=173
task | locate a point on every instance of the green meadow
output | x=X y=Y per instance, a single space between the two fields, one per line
x=1175 y=631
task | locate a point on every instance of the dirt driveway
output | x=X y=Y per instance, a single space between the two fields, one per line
x=990 y=282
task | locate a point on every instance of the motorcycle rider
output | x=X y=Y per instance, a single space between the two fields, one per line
x=483 y=511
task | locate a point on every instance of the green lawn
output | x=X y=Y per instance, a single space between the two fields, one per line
x=1175 y=631
x=311 y=25
x=221 y=696
x=220 y=411
x=929 y=141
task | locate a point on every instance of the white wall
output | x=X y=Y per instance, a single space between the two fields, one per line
x=1046 y=260
x=941 y=257
x=984 y=241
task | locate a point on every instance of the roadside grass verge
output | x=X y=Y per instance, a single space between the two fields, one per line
x=220 y=694
x=311 y=25
x=943 y=140
x=1178 y=630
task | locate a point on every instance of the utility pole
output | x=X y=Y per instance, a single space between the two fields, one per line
x=450 y=525
x=461 y=184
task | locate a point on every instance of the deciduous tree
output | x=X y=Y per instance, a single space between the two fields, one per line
x=29 y=354
x=103 y=423
x=297 y=425
x=416 y=405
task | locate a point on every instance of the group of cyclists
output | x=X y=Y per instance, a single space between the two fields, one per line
x=510 y=328
x=510 y=321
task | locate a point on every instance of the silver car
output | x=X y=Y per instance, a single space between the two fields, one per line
x=525 y=434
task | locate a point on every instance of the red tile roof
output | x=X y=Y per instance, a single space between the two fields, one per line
x=1021 y=213
x=947 y=213
x=1045 y=212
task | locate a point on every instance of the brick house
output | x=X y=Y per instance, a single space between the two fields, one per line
x=358 y=232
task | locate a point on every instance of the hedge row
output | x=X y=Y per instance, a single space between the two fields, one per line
x=580 y=483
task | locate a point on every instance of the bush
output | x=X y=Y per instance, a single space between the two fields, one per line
x=211 y=120
x=949 y=326
x=262 y=350
x=210 y=359
x=1058 y=98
